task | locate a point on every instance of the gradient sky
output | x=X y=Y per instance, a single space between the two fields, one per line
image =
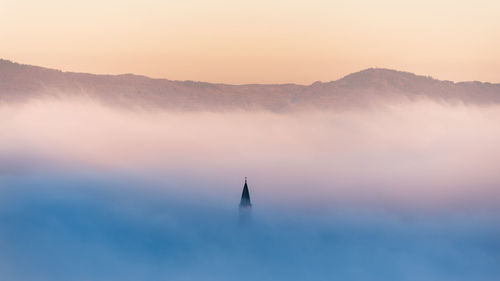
x=255 y=41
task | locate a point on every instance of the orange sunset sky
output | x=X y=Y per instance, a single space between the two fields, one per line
x=258 y=41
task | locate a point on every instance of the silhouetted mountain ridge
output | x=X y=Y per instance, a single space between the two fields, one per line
x=20 y=82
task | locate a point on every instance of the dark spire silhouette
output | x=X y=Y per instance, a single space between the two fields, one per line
x=245 y=197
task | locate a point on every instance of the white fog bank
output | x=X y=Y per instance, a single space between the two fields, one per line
x=413 y=154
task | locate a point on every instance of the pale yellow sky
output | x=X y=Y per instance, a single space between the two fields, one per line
x=258 y=41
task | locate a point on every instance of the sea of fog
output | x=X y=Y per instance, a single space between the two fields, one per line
x=398 y=191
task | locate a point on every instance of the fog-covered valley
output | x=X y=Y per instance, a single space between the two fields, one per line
x=405 y=188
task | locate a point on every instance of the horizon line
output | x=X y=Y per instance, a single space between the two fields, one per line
x=248 y=84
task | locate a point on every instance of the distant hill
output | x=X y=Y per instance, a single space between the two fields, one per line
x=19 y=83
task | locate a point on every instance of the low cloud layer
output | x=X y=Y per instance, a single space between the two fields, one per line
x=406 y=191
x=419 y=154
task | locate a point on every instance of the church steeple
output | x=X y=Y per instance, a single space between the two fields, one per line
x=245 y=197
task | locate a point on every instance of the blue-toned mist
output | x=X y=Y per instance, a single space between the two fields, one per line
x=79 y=229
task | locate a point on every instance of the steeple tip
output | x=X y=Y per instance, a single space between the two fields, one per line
x=245 y=196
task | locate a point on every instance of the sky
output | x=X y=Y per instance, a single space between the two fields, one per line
x=257 y=41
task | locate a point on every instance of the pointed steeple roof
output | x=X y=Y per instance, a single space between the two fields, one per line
x=245 y=196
